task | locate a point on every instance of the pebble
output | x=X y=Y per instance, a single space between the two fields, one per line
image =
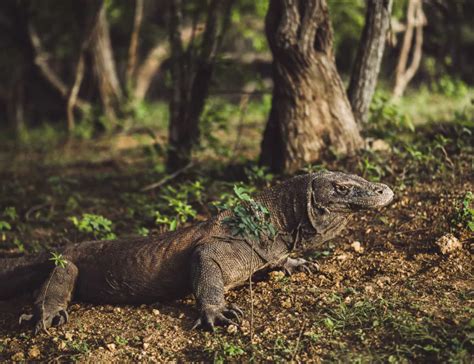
x=231 y=329
x=357 y=246
x=18 y=356
x=111 y=347
x=34 y=352
x=448 y=244
x=155 y=312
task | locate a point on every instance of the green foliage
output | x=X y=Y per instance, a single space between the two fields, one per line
x=386 y=120
x=143 y=231
x=58 y=260
x=259 y=175
x=215 y=118
x=464 y=215
x=95 y=225
x=10 y=213
x=177 y=208
x=450 y=86
x=250 y=220
x=4 y=226
x=371 y=166
x=120 y=340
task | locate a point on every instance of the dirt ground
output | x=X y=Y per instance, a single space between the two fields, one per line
x=384 y=292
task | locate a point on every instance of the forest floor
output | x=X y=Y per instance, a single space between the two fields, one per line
x=385 y=291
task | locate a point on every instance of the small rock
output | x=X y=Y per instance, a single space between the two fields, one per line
x=380 y=145
x=448 y=244
x=358 y=248
x=155 y=312
x=111 y=347
x=145 y=346
x=68 y=336
x=34 y=352
x=286 y=303
x=231 y=329
x=18 y=356
x=369 y=289
x=276 y=275
x=342 y=257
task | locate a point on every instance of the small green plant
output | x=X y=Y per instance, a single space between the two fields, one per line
x=250 y=218
x=58 y=260
x=79 y=346
x=143 y=231
x=232 y=350
x=386 y=119
x=177 y=208
x=97 y=225
x=450 y=86
x=121 y=340
x=10 y=213
x=465 y=214
x=259 y=175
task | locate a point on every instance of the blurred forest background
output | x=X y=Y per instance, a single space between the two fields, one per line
x=81 y=70
x=125 y=118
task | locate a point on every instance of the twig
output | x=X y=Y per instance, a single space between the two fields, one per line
x=36 y=208
x=167 y=178
x=295 y=352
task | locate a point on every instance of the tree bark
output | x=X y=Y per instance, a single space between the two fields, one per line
x=415 y=22
x=132 y=50
x=310 y=111
x=104 y=66
x=191 y=73
x=369 y=57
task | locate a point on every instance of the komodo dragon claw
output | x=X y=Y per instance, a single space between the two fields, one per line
x=293 y=264
x=211 y=316
x=42 y=323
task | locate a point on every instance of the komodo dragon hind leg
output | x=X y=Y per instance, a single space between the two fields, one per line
x=50 y=307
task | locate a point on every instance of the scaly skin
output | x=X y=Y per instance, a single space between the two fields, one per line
x=204 y=259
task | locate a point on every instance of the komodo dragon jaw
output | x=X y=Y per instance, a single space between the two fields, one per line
x=205 y=259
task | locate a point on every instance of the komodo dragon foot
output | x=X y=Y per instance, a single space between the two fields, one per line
x=212 y=315
x=45 y=320
x=290 y=265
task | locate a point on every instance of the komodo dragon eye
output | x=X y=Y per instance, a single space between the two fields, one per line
x=342 y=189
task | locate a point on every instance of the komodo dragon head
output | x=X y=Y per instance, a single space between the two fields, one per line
x=338 y=192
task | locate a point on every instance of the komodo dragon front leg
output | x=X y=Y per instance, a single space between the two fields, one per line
x=290 y=265
x=216 y=267
x=50 y=307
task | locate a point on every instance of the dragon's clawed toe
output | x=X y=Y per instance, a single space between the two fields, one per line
x=292 y=265
x=212 y=316
x=45 y=320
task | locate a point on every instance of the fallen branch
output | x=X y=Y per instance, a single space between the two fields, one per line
x=167 y=178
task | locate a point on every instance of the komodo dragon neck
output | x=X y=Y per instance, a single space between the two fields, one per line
x=291 y=211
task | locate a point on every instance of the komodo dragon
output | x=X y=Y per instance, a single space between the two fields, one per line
x=205 y=258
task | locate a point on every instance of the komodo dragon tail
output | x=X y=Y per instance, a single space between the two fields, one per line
x=22 y=274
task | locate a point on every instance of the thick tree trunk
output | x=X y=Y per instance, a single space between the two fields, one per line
x=369 y=57
x=104 y=66
x=191 y=73
x=310 y=110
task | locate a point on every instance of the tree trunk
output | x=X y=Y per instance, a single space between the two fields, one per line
x=369 y=57
x=191 y=73
x=104 y=66
x=310 y=111
x=415 y=22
